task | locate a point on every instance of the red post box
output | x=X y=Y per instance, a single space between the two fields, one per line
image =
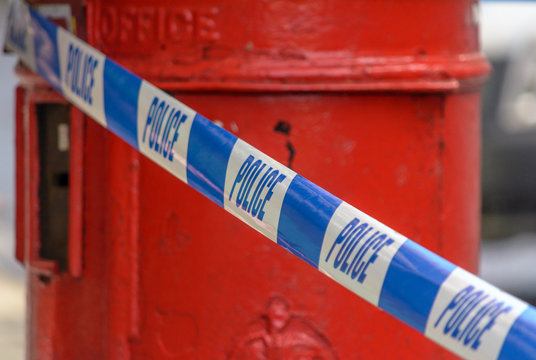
x=377 y=102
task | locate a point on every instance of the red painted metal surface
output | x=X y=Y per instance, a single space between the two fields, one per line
x=382 y=103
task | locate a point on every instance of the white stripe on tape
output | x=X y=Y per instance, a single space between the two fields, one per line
x=472 y=317
x=81 y=69
x=255 y=186
x=357 y=251
x=164 y=125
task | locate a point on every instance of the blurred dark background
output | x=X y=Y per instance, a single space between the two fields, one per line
x=508 y=259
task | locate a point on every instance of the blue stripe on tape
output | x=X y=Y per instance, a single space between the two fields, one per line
x=121 y=90
x=412 y=282
x=46 y=50
x=209 y=148
x=520 y=343
x=305 y=215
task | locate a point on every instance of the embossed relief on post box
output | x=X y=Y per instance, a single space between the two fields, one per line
x=281 y=334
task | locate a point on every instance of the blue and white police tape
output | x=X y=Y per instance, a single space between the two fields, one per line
x=444 y=302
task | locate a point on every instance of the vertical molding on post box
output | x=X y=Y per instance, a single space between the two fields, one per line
x=122 y=243
x=123 y=229
x=134 y=254
x=76 y=193
x=20 y=158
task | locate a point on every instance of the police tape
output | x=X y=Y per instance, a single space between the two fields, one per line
x=444 y=302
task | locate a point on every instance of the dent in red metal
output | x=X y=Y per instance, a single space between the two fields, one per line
x=381 y=106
